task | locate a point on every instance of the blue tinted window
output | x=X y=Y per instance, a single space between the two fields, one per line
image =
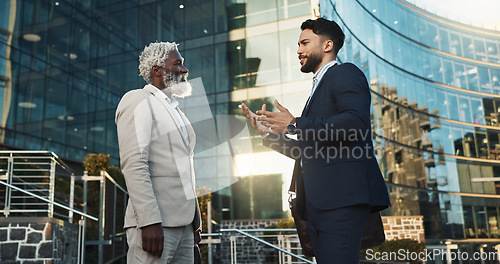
x=444 y=41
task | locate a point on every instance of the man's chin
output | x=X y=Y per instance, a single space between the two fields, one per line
x=305 y=69
x=181 y=89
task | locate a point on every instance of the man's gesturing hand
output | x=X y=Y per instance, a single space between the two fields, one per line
x=253 y=119
x=152 y=239
x=276 y=121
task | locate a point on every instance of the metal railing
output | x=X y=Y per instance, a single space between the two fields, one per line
x=49 y=201
x=35 y=172
x=40 y=184
x=284 y=243
x=287 y=245
x=246 y=232
x=112 y=197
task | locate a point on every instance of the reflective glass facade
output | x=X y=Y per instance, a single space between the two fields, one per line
x=64 y=65
x=435 y=86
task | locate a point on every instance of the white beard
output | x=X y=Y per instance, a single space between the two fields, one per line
x=175 y=86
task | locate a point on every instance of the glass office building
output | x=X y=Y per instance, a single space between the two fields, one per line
x=64 y=65
x=436 y=103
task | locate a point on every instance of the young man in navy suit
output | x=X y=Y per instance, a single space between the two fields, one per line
x=339 y=182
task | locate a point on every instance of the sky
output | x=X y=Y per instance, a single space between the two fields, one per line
x=477 y=11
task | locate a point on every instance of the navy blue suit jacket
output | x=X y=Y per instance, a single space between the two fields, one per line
x=335 y=145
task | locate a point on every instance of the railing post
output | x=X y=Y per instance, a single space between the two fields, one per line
x=81 y=241
x=282 y=244
x=114 y=222
x=52 y=183
x=101 y=216
x=232 y=239
x=209 y=230
x=8 y=190
x=85 y=190
x=71 y=197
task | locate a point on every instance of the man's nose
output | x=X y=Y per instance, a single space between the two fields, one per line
x=184 y=69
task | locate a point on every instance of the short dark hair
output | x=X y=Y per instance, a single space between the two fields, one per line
x=328 y=29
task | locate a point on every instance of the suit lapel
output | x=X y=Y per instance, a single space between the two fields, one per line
x=170 y=111
x=189 y=127
x=308 y=106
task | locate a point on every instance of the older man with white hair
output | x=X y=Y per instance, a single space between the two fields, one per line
x=156 y=144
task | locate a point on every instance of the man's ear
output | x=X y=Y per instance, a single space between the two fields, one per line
x=156 y=71
x=327 y=45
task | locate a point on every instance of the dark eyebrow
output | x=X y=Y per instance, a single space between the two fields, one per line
x=302 y=41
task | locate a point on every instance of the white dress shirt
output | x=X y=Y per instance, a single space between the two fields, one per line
x=175 y=105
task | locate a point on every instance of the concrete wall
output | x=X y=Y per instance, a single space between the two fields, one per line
x=37 y=240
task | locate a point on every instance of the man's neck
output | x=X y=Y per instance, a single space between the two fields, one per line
x=323 y=62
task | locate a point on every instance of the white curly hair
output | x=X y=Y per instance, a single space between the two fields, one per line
x=154 y=55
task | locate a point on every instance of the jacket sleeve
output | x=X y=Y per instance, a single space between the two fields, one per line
x=351 y=95
x=135 y=124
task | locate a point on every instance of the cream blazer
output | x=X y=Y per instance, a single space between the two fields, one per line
x=157 y=161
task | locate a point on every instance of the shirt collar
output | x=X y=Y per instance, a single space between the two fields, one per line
x=172 y=101
x=319 y=74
